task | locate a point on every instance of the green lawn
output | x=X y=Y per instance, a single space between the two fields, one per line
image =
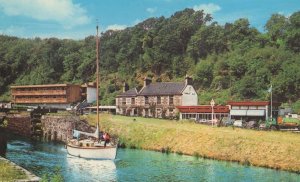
x=9 y=173
x=274 y=149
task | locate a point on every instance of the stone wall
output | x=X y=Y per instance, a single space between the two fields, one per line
x=19 y=124
x=54 y=127
x=59 y=128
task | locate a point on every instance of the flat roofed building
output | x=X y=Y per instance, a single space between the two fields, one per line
x=252 y=110
x=89 y=92
x=203 y=112
x=52 y=95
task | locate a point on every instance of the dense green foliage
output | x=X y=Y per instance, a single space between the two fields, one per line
x=231 y=61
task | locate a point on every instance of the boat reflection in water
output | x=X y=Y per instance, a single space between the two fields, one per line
x=94 y=170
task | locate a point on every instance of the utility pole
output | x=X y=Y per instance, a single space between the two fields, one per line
x=212 y=104
x=271 y=103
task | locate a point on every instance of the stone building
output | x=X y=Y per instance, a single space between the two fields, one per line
x=158 y=99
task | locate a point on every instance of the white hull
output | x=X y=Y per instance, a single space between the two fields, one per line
x=108 y=152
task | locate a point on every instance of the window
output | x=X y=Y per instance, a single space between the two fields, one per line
x=171 y=100
x=132 y=100
x=235 y=107
x=158 y=100
x=123 y=101
x=146 y=100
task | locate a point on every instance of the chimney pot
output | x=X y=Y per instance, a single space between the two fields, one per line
x=188 y=80
x=125 y=87
x=147 y=81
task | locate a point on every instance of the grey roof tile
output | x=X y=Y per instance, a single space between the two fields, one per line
x=163 y=88
x=129 y=93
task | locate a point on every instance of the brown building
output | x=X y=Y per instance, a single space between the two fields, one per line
x=53 y=95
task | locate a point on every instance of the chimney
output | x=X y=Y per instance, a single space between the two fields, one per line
x=147 y=81
x=125 y=87
x=188 y=80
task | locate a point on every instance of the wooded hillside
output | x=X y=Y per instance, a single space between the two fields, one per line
x=231 y=61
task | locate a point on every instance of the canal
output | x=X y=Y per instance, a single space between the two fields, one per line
x=132 y=165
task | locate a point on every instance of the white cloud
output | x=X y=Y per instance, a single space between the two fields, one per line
x=207 y=8
x=116 y=27
x=151 y=10
x=64 y=12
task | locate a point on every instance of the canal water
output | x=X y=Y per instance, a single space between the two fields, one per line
x=132 y=165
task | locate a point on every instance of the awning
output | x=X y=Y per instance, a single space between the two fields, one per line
x=247 y=112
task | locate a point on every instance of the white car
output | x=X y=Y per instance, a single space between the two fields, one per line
x=238 y=123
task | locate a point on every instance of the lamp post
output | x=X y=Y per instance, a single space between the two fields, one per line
x=212 y=104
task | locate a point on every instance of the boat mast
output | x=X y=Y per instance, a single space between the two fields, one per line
x=271 y=104
x=97 y=73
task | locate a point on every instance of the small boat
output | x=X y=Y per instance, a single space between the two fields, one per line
x=93 y=147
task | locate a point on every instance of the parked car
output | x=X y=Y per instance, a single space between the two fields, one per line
x=238 y=123
x=251 y=124
x=202 y=121
x=228 y=122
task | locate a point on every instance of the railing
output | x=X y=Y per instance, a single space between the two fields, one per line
x=40 y=92
x=41 y=100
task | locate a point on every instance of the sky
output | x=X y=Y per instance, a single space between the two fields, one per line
x=77 y=19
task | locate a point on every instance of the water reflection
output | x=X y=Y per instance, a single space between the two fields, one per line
x=94 y=170
x=132 y=165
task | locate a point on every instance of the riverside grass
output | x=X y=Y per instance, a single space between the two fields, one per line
x=9 y=173
x=272 y=149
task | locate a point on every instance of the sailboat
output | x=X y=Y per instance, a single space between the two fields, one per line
x=93 y=147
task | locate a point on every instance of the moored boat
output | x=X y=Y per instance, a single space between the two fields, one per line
x=93 y=147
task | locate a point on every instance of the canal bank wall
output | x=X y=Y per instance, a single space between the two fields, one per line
x=60 y=127
x=53 y=127
x=29 y=176
x=19 y=124
x=271 y=149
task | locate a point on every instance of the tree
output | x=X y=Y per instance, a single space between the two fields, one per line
x=276 y=27
x=204 y=74
x=293 y=34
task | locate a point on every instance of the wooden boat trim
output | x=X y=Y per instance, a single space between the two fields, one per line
x=95 y=147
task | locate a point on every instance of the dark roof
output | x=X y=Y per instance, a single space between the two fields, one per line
x=163 y=88
x=129 y=93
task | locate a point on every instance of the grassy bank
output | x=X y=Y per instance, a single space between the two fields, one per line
x=9 y=173
x=273 y=149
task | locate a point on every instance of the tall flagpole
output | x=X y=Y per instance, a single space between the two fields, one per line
x=271 y=104
x=97 y=73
